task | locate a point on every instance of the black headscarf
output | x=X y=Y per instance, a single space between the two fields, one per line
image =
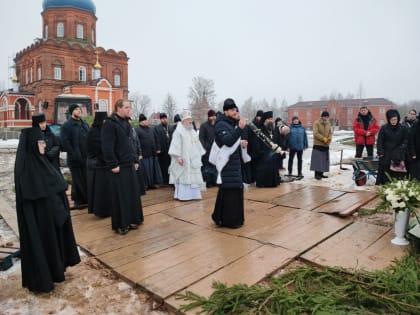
x=35 y=176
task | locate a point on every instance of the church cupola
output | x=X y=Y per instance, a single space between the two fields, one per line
x=69 y=20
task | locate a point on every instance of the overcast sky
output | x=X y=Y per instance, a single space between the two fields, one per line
x=264 y=49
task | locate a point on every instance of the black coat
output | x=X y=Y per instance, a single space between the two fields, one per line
x=414 y=140
x=73 y=138
x=227 y=133
x=118 y=151
x=266 y=168
x=392 y=144
x=162 y=136
x=52 y=150
x=148 y=141
x=98 y=186
x=117 y=142
x=206 y=136
x=46 y=236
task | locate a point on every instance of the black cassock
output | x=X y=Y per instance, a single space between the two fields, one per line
x=99 y=189
x=125 y=193
x=266 y=164
x=45 y=230
x=162 y=135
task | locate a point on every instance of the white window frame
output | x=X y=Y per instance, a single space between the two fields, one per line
x=82 y=74
x=31 y=75
x=57 y=73
x=117 y=79
x=93 y=35
x=46 y=32
x=80 y=31
x=39 y=72
x=26 y=76
x=60 y=29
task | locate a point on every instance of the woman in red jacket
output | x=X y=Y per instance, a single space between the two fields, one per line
x=365 y=128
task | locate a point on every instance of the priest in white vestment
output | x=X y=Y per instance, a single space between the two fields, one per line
x=185 y=169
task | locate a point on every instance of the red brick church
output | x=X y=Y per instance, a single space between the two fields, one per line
x=65 y=66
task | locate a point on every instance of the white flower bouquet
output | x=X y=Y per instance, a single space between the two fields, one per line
x=400 y=195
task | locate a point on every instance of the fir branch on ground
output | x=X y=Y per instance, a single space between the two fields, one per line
x=310 y=290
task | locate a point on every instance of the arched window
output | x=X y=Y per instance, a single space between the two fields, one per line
x=117 y=79
x=31 y=75
x=93 y=35
x=46 y=32
x=79 y=33
x=60 y=29
x=82 y=74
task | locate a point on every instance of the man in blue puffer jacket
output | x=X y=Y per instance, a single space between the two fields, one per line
x=298 y=141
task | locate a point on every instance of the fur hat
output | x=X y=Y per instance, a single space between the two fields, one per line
x=72 y=107
x=163 y=115
x=392 y=113
x=37 y=119
x=325 y=114
x=142 y=117
x=211 y=113
x=177 y=118
x=229 y=104
x=260 y=113
x=186 y=114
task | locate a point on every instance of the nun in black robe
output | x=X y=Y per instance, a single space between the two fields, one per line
x=99 y=189
x=45 y=230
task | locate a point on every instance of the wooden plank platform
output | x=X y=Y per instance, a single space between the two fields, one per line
x=179 y=248
x=360 y=246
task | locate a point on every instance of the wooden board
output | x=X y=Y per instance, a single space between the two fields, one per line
x=9 y=215
x=298 y=230
x=248 y=270
x=268 y=194
x=346 y=204
x=361 y=245
x=219 y=254
x=309 y=197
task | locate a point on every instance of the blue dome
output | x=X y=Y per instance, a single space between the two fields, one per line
x=86 y=5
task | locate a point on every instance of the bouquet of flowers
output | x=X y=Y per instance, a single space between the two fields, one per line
x=399 y=195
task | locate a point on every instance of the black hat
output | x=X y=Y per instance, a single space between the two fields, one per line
x=177 y=118
x=37 y=119
x=99 y=118
x=142 y=117
x=260 y=113
x=392 y=113
x=325 y=114
x=163 y=115
x=267 y=115
x=72 y=107
x=211 y=113
x=229 y=104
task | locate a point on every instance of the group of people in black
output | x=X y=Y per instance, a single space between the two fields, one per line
x=112 y=165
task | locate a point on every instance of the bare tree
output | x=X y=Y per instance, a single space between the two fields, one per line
x=248 y=109
x=169 y=107
x=141 y=104
x=202 y=97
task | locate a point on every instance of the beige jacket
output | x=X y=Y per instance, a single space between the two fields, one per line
x=322 y=131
